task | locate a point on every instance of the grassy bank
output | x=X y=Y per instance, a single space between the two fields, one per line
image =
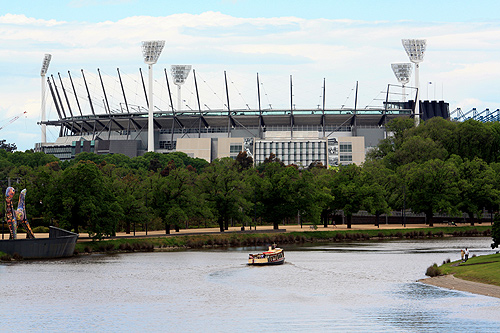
x=247 y=238
x=484 y=269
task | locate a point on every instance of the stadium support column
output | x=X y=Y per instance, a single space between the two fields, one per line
x=151 y=51
x=151 y=133
x=228 y=108
x=291 y=108
x=45 y=67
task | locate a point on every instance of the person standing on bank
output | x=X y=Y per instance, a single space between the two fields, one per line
x=462 y=254
x=466 y=254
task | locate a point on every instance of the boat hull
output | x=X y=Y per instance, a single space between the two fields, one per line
x=61 y=243
x=278 y=262
x=275 y=256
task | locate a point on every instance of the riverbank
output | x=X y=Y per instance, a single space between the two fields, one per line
x=453 y=283
x=479 y=275
x=196 y=238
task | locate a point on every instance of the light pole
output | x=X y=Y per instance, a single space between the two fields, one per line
x=403 y=73
x=415 y=49
x=180 y=74
x=45 y=67
x=151 y=51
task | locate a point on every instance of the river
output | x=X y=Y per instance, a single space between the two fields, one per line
x=367 y=287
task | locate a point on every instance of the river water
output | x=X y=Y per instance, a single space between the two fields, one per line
x=369 y=286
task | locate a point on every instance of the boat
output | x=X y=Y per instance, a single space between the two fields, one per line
x=273 y=256
x=61 y=243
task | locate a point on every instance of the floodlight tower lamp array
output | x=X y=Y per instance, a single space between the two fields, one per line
x=415 y=48
x=402 y=71
x=180 y=74
x=151 y=51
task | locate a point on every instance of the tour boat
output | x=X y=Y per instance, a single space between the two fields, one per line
x=273 y=256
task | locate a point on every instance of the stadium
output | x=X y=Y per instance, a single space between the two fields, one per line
x=101 y=115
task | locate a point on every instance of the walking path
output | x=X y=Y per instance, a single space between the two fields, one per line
x=269 y=228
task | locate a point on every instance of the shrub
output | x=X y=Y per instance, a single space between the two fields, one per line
x=5 y=257
x=433 y=271
x=17 y=256
x=40 y=229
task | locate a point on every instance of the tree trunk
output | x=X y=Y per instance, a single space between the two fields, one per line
x=324 y=217
x=177 y=228
x=471 y=218
x=428 y=216
x=127 y=228
x=275 y=225
x=377 y=220
x=349 y=219
x=221 y=224
x=167 y=228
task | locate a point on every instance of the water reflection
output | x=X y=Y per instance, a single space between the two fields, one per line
x=368 y=286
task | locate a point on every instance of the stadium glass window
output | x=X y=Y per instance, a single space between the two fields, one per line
x=345 y=147
x=235 y=149
x=345 y=158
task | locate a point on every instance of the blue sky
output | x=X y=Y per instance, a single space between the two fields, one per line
x=340 y=41
x=98 y=11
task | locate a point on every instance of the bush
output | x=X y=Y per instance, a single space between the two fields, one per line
x=41 y=229
x=433 y=271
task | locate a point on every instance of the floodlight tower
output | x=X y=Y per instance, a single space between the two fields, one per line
x=45 y=67
x=415 y=49
x=151 y=51
x=403 y=73
x=180 y=74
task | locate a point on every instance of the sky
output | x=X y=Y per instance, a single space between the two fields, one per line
x=311 y=43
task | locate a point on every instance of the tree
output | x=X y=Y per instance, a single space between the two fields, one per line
x=348 y=190
x=431 y=187
x=313 y=195
x=418 y=149
x=397 y=128
x=175 y=198
x=279 y=192
x=243 y=161
x=9 y=147
x=477 y=186
x=129 y=191
x=80 y=197
x=224 y=190
x=379 y=182
x=495 y=232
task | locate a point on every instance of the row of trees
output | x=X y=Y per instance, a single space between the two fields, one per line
x=438 y=167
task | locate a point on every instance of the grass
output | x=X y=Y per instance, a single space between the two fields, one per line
x=484 y=269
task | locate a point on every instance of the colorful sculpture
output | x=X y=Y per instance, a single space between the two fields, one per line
x=14 y=216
